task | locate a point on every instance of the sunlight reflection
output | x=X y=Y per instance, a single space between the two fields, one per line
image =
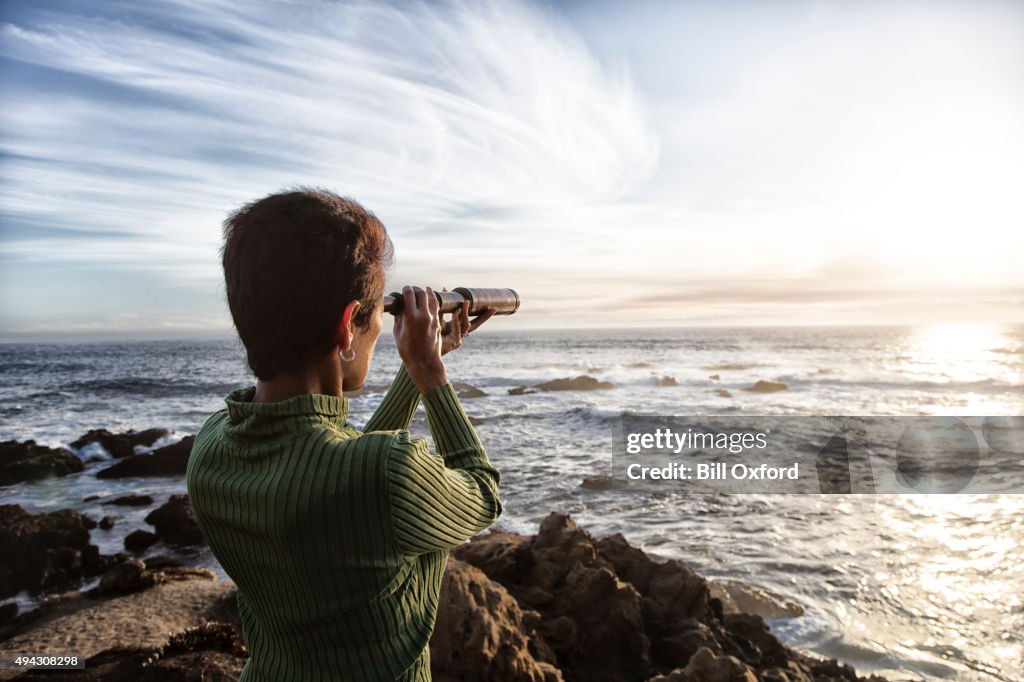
x=963 y=352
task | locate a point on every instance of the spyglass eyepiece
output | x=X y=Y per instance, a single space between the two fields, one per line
x=505 y=301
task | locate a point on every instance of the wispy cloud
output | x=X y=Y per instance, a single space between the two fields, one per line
x=417 y=110
x=130 y=133
x=591 y=155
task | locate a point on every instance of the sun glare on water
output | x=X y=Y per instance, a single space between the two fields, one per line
x=962 y=353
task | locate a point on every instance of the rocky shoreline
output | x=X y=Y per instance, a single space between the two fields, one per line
x=558 y=605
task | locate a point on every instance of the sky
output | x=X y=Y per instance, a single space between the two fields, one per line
x=619 y=164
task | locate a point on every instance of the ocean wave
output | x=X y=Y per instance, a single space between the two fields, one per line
x=590 y=416
x=149 y=388
x=977 y=385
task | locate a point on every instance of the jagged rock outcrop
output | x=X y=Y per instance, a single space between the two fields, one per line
x=609 y=612
x=481 y=633
x=169 y=460
x=120 y=445
x=557 y=606
x=175 y=523
x=29 y=461
x=47 y=552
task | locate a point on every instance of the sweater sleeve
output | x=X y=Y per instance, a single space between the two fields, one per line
x=439 y=501
x=398 y=408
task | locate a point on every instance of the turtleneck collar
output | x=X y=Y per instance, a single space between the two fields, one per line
x=252 y=423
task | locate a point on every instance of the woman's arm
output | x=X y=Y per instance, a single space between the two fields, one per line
x=439 y=501
x=398 y=408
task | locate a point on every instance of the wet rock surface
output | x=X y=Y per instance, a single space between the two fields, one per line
x=580 y=383
x=556 y=606
x=175 y=523
x=46 y=552
x=120 y=445
x=29 y=461
x=464 y=391
x=169 y=460
x=139 y=540
x=131 y=501
x=762 y=386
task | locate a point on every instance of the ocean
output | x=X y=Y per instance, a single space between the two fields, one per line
x=907 y=586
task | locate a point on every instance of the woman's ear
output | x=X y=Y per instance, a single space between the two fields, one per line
x=346 y=325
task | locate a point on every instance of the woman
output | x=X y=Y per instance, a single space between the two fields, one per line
x=336 y=538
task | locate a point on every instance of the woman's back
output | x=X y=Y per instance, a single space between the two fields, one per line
x=336 y=539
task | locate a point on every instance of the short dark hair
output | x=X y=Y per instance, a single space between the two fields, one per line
x=292 y=262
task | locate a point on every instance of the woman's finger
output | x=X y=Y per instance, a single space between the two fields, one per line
x=481 y=318
x=457 y=320
x=409 y=299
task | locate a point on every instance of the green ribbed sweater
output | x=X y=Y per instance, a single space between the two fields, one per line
x=337 y=538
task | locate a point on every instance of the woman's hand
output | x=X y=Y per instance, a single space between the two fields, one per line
x=459 y=326
x=418 y=338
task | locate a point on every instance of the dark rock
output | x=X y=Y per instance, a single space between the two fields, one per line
x=667 y=381
x=169 y=460
x=46 y=551
x=754 y=638
x=126 y=577
x=722 y=393
x=705 y=666
x=106 y=523
x=714 y=377
x=766 y=387
x=580 y=383
x=90 y=498
x=132 y=575
x=8 y=612
x=559 y=605
x=503 y=556
x=677 y=648
x=522 y=390
x=131 y=501
x=481 y=633
x=175 y=523
x=28 y=461
x=604 y=610
x=831 y=670
x=596 y=483
x=674 y=595
x=121 y=445
x=139 y=540
x=465 y=391
x=161 y=561
x=584 y=607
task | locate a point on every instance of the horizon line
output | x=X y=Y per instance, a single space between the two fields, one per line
x=70 y=337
